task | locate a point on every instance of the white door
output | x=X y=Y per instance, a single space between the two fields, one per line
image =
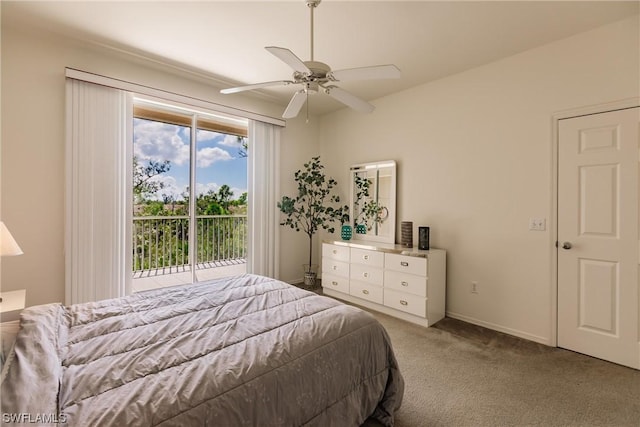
x=598 y=236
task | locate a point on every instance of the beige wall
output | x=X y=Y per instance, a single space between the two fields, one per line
x=474 y=154
x=33 y=144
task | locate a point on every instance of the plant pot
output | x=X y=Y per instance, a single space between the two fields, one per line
x=361 y=229
x=346 y=232
x=310 y=274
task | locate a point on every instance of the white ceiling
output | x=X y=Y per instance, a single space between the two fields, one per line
x=427 y=40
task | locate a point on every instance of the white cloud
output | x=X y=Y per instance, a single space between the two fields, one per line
x=231 y=141
x=237 y=192
x=205 y=188
x=171 y=188
x=159 y=141
x=206 y=135
x=208 y=156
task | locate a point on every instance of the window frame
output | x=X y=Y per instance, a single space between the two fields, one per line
x=174 y=113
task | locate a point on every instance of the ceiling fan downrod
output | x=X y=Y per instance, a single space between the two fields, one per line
x=312 y=5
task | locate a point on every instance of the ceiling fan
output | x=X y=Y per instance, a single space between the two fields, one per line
x=317 y=76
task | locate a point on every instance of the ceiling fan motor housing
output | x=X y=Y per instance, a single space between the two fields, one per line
x=319 y=71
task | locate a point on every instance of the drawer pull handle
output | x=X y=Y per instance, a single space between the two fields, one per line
x=403 y=302
x=404 y=264
x=335 y=267
x=365 y=274
x=365 y=257
x=366 y=292
x=335 y=251
x=334 y=283
x=404 y=284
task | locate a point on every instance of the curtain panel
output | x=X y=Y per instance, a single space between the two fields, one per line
x=264 y=190
x=98 y=192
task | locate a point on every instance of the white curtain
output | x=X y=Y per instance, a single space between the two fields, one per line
x=264 y=192
x=98 y=192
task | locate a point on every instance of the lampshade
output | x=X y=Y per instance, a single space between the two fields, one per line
x=8 y=245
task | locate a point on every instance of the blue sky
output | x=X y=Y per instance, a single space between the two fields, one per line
x=217 y=158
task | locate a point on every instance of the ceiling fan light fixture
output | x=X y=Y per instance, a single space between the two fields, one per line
x=312 y=88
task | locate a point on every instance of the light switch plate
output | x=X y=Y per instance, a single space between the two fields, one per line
x=537 y=224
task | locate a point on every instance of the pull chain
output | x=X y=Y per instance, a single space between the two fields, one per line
x=307 y=106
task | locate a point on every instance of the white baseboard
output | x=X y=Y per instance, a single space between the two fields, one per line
x=488 y=325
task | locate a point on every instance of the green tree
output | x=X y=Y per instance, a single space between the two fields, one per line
x=207 y=204
x=242 y=140
x=242 y=200
x=224 y=197
x=153 y=208
x=143 y=184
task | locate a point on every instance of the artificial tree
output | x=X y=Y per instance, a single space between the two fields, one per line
x=313 y=208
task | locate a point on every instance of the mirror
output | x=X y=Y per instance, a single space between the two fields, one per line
x=373 y=201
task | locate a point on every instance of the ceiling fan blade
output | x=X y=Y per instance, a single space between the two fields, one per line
x=349 y=99
x=289 y=58
x=256 y=86
x=295 y=104
x=366 y=73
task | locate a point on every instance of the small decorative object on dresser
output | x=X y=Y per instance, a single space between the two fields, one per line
x=405 y=283
x=346 y=232
x=406 y=234
x=423 y=238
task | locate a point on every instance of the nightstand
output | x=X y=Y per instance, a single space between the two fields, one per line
x=12 y=304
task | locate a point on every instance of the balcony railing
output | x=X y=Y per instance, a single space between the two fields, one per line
x=161 y=243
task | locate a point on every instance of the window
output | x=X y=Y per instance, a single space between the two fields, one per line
x=98 y=175
x=189 y=195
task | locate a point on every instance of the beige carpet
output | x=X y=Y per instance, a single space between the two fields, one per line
x=460 y=375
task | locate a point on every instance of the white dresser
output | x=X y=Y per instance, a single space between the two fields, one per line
x=403 y=282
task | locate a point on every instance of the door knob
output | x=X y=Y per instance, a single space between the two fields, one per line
x=566 y=245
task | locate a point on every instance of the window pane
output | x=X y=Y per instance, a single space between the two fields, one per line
x=161 y=203
x=221 y=204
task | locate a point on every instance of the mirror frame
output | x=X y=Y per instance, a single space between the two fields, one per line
x=391 y=208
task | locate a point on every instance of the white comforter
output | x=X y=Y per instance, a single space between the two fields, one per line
x=235 y=352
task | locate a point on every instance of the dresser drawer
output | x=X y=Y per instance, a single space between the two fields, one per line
x=335 y=268
x=335 y=283
x=406 y=264
x=367 y=274
x=363 y=256
x=338 y=253
x=366 y=291
x=408 y=303
x=403 y=282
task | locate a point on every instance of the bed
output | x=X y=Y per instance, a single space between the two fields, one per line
x=246 y=350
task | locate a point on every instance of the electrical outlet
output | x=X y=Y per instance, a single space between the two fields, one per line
x=474 y=287
x=537 y=224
